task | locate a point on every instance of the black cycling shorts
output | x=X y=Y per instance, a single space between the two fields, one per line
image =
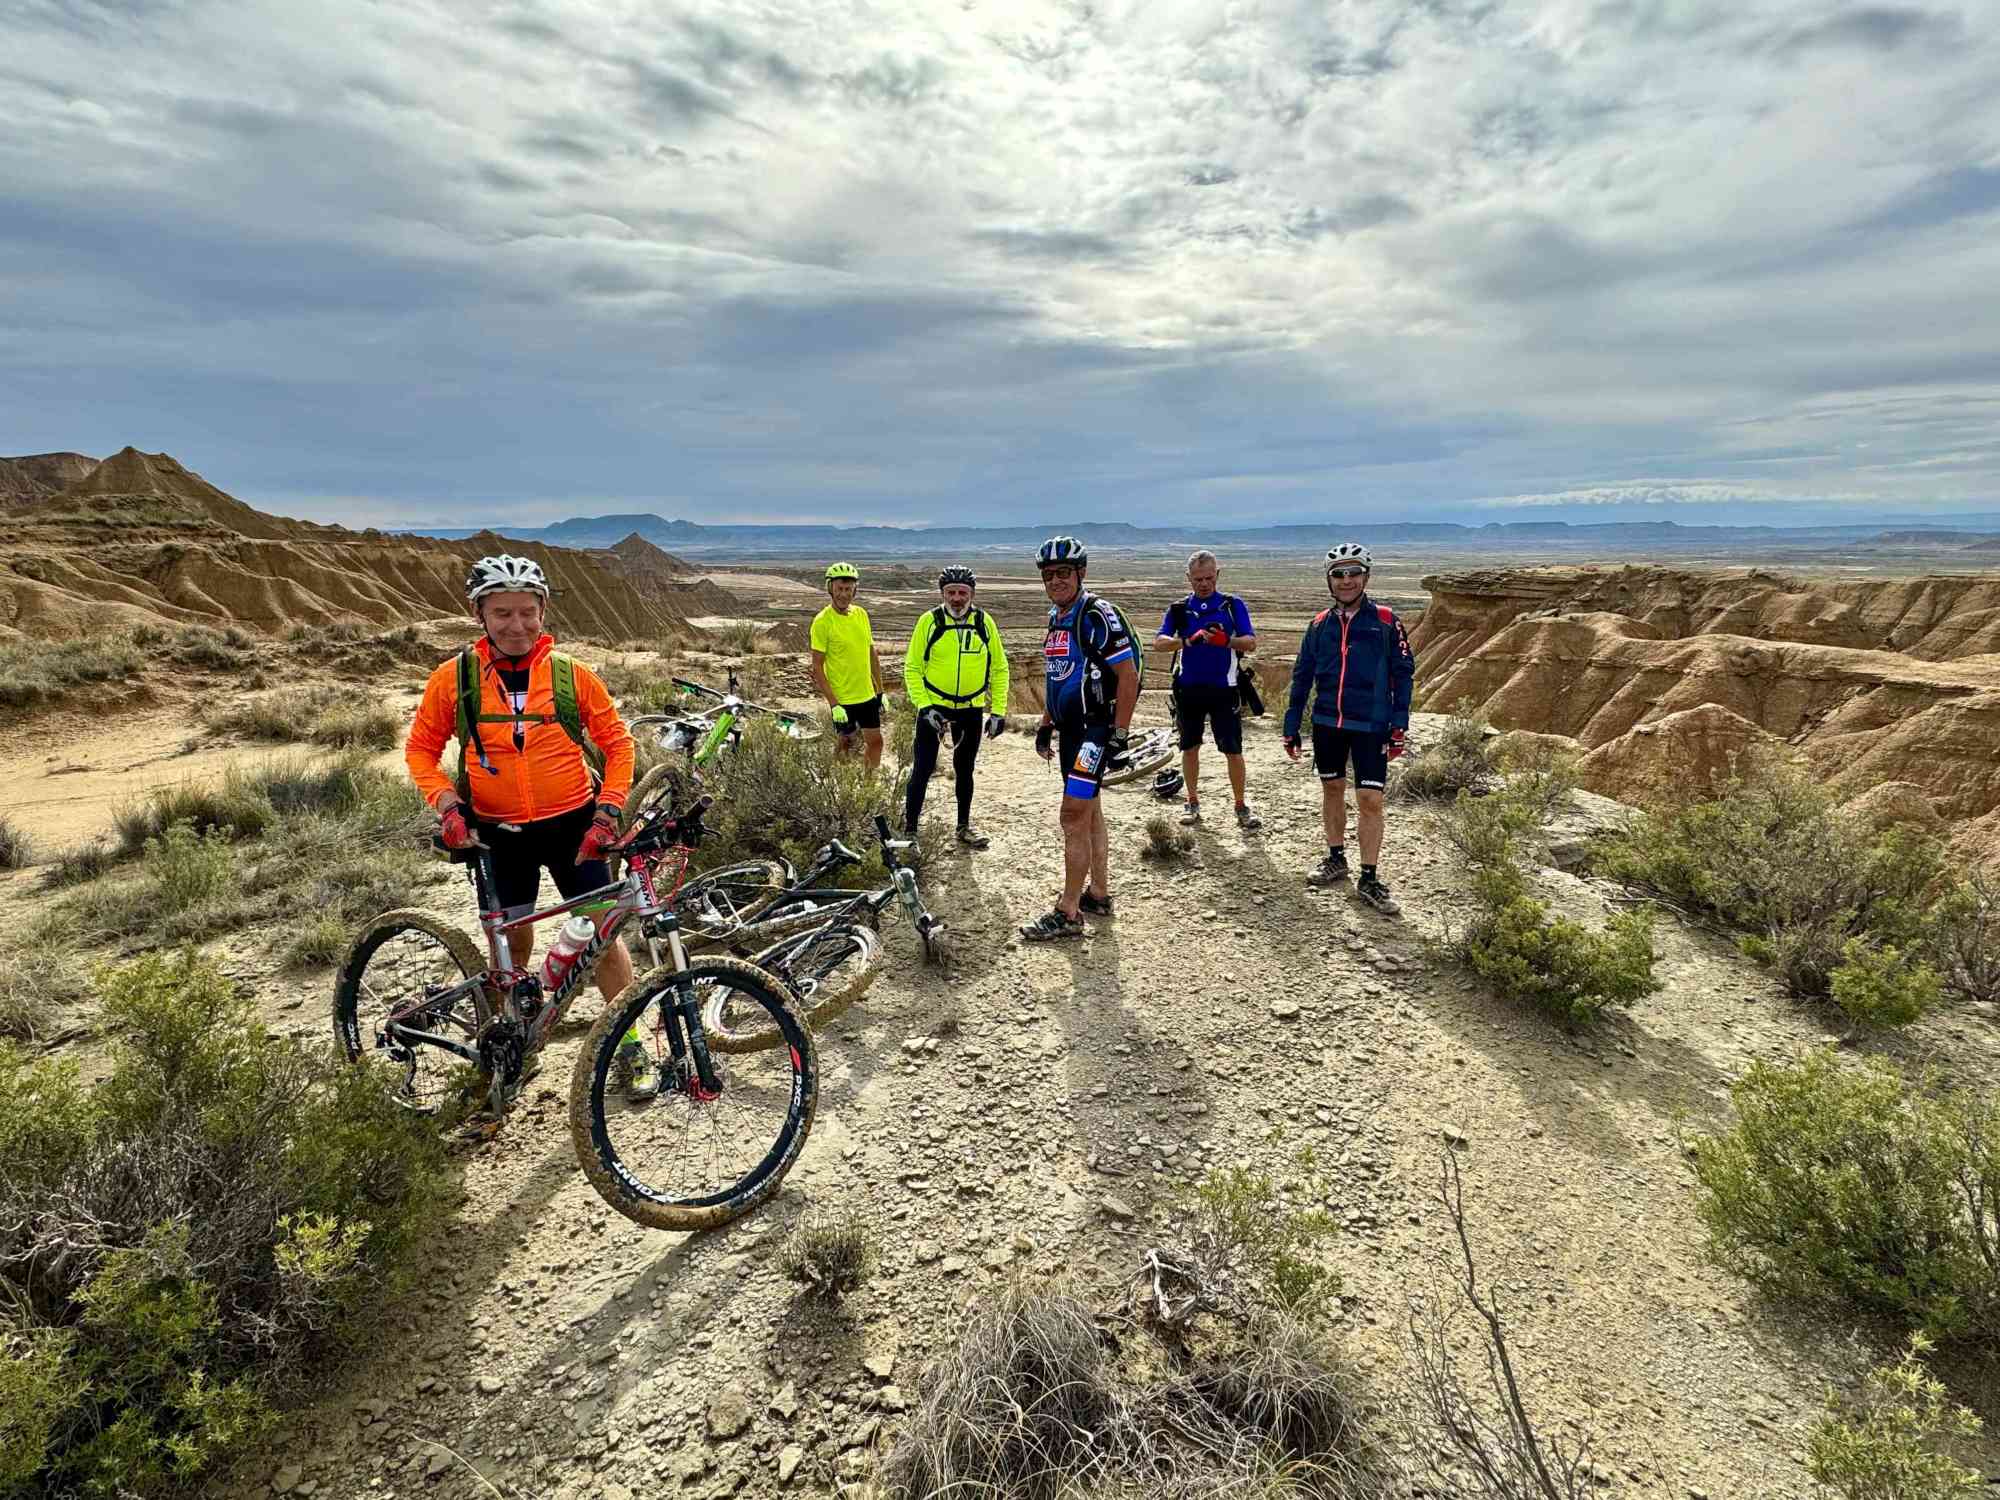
x=1080 y=752
x=545 y=844
x=1332 y=748
x=863 y=715
x=1220 y=705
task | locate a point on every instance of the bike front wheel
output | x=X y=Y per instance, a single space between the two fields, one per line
x=409 y=968
x=827 y=970
x=714 y=1142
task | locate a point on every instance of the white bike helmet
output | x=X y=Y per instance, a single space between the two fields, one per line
x=505 y=574
x=1348 y=555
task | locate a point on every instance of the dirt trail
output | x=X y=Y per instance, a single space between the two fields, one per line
x=562 y=1352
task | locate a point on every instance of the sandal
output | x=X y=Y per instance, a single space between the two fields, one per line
x=1051 y=926
x=1093 y=904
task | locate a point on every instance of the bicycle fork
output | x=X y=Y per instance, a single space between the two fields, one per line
x=692 y=1065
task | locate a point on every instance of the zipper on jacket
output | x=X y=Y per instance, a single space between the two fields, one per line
x=1340 y=692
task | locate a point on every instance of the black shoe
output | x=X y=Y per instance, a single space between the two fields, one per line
x=971 y=837
x=1051 y=926
x=1093 y=904
x=1370 y=889
x=1331 y=870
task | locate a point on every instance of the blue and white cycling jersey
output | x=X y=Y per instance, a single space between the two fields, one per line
x=1084 y=643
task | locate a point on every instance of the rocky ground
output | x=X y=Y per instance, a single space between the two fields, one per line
x=1034 y=1114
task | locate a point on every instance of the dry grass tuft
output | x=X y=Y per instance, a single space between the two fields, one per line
x=831 y=1257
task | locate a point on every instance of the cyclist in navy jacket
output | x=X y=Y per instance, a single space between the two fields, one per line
x=1356 y=664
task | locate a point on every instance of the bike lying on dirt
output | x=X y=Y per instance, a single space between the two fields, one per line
x=414 y=1001
x=1144 y=755
x=827 y=948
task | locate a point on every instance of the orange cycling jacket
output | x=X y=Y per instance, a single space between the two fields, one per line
x=547 y=775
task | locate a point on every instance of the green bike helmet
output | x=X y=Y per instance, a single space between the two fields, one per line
x=842 y=570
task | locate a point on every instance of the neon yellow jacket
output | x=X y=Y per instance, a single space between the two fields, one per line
x=967 y=667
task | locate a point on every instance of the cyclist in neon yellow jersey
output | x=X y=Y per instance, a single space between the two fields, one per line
x=846 y=671
x=956 y=675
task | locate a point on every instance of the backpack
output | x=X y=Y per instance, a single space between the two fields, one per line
x=1096 y=655
x=562 y=679
x=978 y=620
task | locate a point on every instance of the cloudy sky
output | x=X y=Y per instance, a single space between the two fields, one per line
x=898 y=261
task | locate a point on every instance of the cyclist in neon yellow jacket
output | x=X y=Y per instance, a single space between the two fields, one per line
x=956 y=674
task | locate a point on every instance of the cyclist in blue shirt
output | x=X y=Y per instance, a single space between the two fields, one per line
x=1091 y=676
x=1210 y=630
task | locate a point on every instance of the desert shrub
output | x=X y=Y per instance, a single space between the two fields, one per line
x=17 y=850
x=1555 y=964
x=76 y=865
x=186 y=868
x=643 y=687
x=1965 y=938
x=38 y=981
x=358 y=726
x=785 y=798
x=234 y=806
x=1541 y=777
x=153 y=1321
x=1259 y=1243
x=1513 y=942
x=319 y=940
x=831 y=1256
x=1773 y=858
x=738 y=637
x=1462 y=760
x=1032 y=1401
x=1881 y=986
x=1167 y=840
x=317 y=715
x=1846 y=1184
x=1883 y=1447
x=217 y=650
x=36 y=671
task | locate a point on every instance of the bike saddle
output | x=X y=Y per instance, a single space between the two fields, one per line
x=842 y=853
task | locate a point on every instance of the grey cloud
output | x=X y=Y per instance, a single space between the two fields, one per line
x=561 y=144
x=893 y=81
x=1050 y=245
x=673 y=98
x=1872 y=28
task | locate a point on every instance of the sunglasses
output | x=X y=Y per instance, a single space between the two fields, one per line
x=1347 y=572
x=1061 y=575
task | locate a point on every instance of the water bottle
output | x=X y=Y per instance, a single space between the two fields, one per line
x=563 y=953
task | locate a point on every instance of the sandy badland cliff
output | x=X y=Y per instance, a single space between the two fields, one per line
x=141 y=539
x=1665 y=677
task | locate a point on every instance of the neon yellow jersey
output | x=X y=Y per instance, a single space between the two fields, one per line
x=956 y=663
x=847 y=642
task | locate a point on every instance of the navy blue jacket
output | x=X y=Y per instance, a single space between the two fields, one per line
x=1360 y=667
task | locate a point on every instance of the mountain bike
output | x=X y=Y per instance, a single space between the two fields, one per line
x=826 y=946
x=1144 y=755
x=703 y=736
x=414 y=1001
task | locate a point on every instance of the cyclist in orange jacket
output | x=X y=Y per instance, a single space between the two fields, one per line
x=533 y=799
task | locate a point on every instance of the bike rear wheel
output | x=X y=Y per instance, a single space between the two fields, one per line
x=1147 y=754
x=410 y=967
x=690 y=1158
x=826 y=969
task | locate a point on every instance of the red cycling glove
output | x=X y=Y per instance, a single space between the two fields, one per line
x=1396 y=745
x=454 y=830
x=1215 y=635
x=602 y=834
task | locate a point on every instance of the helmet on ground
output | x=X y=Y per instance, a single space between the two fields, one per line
x=1064 y=550
x=1348 y=555
x=957 y=573
x=842 y=570
x=503 y=574
x=1166 y=784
